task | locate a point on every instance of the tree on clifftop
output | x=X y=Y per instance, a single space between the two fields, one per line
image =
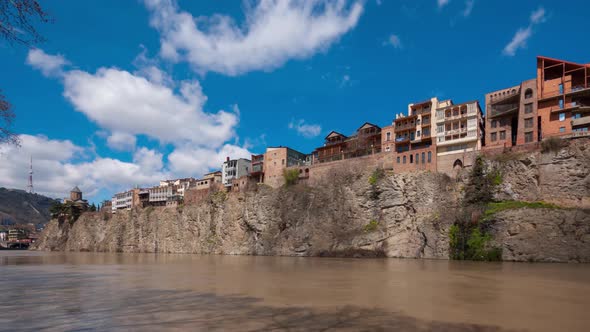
x=17 y=25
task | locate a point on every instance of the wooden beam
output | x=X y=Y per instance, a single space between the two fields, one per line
x=555 y=65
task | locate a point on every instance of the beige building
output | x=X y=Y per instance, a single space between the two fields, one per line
x=277 y=159
x=459 y=135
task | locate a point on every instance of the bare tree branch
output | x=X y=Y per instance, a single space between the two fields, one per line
x=6 y=119
x=17 y=21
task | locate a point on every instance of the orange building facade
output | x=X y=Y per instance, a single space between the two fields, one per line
x=563 y=97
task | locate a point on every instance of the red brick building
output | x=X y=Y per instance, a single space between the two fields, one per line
x=563 y=97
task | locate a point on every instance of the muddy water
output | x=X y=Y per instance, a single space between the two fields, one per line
x=74 y=291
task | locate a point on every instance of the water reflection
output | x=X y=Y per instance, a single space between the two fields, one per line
x=57 y=291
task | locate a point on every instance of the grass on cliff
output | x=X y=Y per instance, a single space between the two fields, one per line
x=291 y=176
x=495 y=207
x=371 y=226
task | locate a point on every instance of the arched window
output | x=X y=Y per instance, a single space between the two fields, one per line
x=429 y=156
x=458 y=164
x=528 y=94
x=417 y=159
x=411 y=158
x=404 y=159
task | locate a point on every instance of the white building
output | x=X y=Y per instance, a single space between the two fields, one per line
x=180 y=184
x=122 y=200
x=234 y=169
x=159 y=195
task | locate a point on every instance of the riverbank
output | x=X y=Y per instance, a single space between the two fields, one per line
x=540 y=214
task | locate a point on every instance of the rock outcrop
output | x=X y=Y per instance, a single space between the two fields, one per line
x=401 y=215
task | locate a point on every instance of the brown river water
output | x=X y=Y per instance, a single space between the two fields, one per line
x=152 y=292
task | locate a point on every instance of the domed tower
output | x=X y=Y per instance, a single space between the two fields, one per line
x=75 y=194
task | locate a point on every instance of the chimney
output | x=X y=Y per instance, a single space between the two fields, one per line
x=226 y=158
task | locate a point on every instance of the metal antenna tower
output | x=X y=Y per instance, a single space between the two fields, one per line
x=30 y=185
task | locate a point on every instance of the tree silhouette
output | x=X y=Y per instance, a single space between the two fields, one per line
x=17 y=25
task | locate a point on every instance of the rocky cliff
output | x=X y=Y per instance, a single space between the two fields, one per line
x=358 y=213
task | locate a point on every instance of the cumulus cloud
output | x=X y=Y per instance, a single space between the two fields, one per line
x=198 y=160
x=49 y=65
x=59 y=165
x=125 y=103
x=393 y=40
x=121 y=141
x=304 y=129
x=522 y=35
x=273 y=32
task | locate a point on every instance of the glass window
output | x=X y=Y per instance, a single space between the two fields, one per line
x=411 y=159
x=417 y=121
x=562 y=129
x=528 y=108
x=561 y=103
x=398 y=159
x=503 y=134
x=423 y=159
x=494 y=137
x=528 y=123
x=561 y=116
x=388 y=136
x=429 y=156
x=528 y=137
x=494 y=123
x=528 y=94
x=418 y=133
x=417 y=159
x=404 y=159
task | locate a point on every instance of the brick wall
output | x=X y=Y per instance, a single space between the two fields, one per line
x=451 y=163
x=410 y=163
x=275 y=162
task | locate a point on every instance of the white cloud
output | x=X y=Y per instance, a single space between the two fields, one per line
x=195 y=161
x=307 y=130
x=148 y=159
x=538 y=16
x=393 y=40
x=121 y=141
x=57 y=168
x=274 y=32
x=49 y=65
x=468 y=8
x=442 y=3
x=126 y=104
x=522 y=35
x=518 y=41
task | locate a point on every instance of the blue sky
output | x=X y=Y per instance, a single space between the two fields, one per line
x=92 y=102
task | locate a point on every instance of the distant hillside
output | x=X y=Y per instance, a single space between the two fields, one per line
x=20 y=207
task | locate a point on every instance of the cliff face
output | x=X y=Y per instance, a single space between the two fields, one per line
x=399 y=215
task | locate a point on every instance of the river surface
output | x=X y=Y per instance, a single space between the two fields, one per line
x=146 y=292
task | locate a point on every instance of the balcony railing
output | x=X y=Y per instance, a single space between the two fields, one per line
x=405 y=127
x=499 y=110
x=581 y=121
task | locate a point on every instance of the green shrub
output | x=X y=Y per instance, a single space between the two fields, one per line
x=371 y=226
x=495 y=207
x=376 y=176
x=551 y=144
x=468 y=241
x=291 y=176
